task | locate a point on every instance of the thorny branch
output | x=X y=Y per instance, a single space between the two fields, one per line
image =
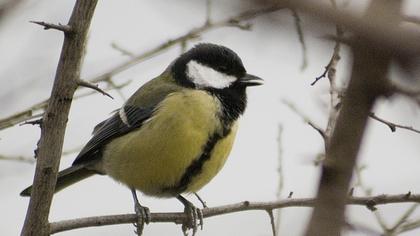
x=35 y=111
x=60 y=27
x=86 y=84
x=55 y=120
x=179 y=218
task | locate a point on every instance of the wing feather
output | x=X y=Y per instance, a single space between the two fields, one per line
x=111 y=128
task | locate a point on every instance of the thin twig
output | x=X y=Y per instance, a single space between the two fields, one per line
x=412 y=19
x=298 y=26
x=409 y=226
x=375 y=31
x=86 y=84
x=280 y=173
x=60 y=27
x=392 y=125
x=305 y=118
x=208 y=12
x=330 y=68
x=17 y=159
x=403 y=219
x=180 y=217
x=273 y=225
x=34 y=110
x=368 y=192
x=123 y=51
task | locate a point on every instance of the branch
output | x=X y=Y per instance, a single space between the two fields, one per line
x=305 y=118
x=86 y=84
x=412 y=19
x=376 y=31
x=403 y=219
x=18 y=159
x=55 y=119
x=409 y=226
x=123 y=51
x=391 y=125
x=298 y=26
x=180 y=217
x=366 y=84
x=65 y=28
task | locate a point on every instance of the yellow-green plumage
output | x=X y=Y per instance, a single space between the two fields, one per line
x=174 y=134
x=155 y=157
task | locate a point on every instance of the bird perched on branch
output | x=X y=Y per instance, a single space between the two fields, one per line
x=174 y=134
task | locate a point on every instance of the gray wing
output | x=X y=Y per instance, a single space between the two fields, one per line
x=129 y=119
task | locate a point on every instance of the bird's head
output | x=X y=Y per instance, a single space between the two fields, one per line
x=212 y=67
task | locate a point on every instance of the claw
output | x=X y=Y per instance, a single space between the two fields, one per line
x=194 y=215
x=201 y=200
x=143 y=214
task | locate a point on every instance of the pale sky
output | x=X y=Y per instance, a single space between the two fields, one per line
x=270 y=50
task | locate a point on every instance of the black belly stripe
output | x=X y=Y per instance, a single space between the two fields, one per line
x=196 y=166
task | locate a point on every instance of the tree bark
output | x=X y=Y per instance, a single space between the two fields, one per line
x=55 y=119
x=368 y=82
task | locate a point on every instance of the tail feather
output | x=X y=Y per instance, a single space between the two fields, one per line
x=65 y=178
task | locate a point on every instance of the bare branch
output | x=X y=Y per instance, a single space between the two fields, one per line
x=368 y=192
x=36 y=109
x=65 y=28
x=123 y=51
x=330 y=69
x=55 y=119
x=403 y=219
x=18 y=159
x=298 y=26
x=365 y=86
x=273 y=225
x=179 y=218
x=412 y=19
x=392 y=125
x=92 y=86
x=280 y=175
x=376 y=31
x=409 y=226
x=305 y=118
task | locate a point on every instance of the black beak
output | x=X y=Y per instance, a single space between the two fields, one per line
x=251 y=80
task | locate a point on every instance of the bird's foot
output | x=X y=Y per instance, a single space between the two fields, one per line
x=194 y=214
x=142 y=213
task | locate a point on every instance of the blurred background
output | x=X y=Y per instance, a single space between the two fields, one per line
x=271 y=136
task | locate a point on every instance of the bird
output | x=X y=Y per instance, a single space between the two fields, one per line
x=174 y=134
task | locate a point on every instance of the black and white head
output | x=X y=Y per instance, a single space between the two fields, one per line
x=218 y=70
x=212 y=67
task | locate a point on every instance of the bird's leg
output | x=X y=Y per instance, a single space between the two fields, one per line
x=201 y=200
x=143 y=214
x=194 y=214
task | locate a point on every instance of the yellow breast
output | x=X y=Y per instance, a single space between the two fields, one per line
x=154 y=158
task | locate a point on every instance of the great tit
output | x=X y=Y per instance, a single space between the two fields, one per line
x=174 y=134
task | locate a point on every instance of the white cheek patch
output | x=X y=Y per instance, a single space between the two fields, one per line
x=204 y=76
